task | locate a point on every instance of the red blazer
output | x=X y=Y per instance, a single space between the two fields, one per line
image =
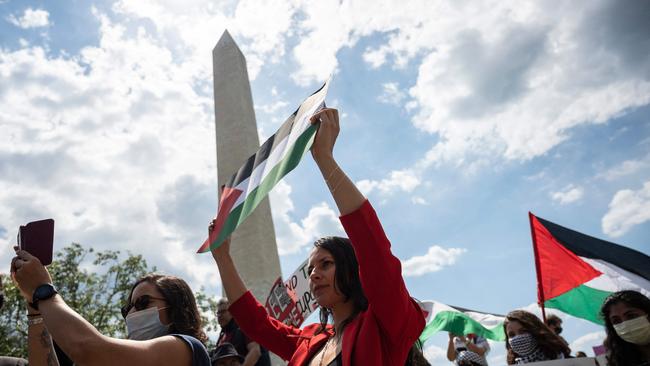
x=381 y=335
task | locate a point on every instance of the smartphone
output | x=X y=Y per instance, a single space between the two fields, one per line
x=37 y=238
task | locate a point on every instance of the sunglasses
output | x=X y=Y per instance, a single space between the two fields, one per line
x=140 y=303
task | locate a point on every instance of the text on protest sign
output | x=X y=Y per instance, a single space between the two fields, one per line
x=291 y=302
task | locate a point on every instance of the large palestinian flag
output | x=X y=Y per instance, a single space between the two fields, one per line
x=460 y=321
x=277 y=156
x=576 y=272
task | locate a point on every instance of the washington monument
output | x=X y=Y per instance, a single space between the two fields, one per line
x=253 y=243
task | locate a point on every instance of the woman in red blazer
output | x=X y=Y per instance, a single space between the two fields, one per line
x=356 y=281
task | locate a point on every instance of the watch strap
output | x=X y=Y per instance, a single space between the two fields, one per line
x=42 y=292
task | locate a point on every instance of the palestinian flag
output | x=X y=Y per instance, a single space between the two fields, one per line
x=460 y=321
x=277 y=156
x=576 y=272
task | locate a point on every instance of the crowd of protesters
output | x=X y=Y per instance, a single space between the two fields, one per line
x=348 y=277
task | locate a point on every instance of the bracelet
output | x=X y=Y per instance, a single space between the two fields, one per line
x=35 y=321
x=327 y=180
x=337 y=184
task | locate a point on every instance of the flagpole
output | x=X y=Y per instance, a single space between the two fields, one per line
x=540 y=288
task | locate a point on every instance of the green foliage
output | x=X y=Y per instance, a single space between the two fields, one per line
x=208 y=308
x=94 y=284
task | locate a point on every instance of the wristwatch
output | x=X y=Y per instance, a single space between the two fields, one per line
x=42 y=292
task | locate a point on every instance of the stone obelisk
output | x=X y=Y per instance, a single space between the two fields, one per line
x=253 y=246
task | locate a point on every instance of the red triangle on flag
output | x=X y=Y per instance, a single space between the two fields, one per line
x=558 y=269
x=229 y=196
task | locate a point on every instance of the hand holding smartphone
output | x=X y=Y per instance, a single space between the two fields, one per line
x=37 y=238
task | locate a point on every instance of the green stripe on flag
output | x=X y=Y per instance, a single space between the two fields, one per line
x=582 y=302
x=459 y=323
x=254 y=197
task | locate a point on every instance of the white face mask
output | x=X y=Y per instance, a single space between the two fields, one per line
x=635 y=330
x=145 y=324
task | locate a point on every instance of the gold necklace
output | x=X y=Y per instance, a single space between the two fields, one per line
x=325 y=348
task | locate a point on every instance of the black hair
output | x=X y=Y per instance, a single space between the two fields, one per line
x=622 y=353
x=346 y=277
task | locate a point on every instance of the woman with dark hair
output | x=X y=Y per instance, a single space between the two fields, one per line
x=181 y=310
x=357 y=282
x=162 y=320
x=528 y=339
x=627 y=323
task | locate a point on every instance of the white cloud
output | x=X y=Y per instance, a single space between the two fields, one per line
x=627 y=209
x=586 y=342
x=100 y=141
x=568 y=195
x=496 y=80
x=434 y=260
x=31 y=18
x=435 y=354
x=419 y=200
x=626 y=168
x=189 y=28
x=273 y=107
x=293 y=236
x=392 y=94
x=398 y=180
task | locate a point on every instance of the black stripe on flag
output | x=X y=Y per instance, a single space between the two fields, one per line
x=463 y=310
x=265 y=150
x=262 y=154
x=589 y=247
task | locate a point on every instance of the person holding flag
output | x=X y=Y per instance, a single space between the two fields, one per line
x=348 y=277
x=467 y=348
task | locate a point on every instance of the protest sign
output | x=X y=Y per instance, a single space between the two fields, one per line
x=291 y=302
x=584 y=361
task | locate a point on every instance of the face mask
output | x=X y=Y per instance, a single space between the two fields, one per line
x=145 y=324
x=635 y=330
x=523 y=344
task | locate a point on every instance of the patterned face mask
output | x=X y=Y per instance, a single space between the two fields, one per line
x=636 y=331
x=523 y=344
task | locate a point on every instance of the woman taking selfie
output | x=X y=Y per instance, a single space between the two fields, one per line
x=349 y=278
x=162 y=320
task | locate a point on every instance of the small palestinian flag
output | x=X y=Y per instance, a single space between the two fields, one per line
x=277 y=156
x=576 y=272
x=459 y=321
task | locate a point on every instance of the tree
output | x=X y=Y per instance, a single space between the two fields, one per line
x=94 y=287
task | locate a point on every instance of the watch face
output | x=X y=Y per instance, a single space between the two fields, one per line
x=44 y=292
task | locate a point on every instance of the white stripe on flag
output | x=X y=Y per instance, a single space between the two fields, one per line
x=615 y=278
x=487 y=320
x=278 y=154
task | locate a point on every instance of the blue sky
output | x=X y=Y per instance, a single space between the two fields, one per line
x=457 y=119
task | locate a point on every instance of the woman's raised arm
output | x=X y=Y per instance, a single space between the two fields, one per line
x=346 y=195
x=230 y=279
